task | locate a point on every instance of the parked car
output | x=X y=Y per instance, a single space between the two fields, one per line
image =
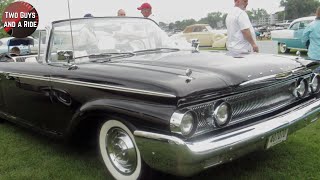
x=205 y=34
x=149 y=104
x=24 y=44
x=291 y=38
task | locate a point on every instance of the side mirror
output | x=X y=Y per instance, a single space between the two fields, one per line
x=195 y=43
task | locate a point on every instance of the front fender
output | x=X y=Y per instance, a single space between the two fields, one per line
x=142 y=114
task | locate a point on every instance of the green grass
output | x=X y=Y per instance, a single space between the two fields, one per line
x=27 y=155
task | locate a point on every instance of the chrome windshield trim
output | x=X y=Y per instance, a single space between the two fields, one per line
x=93 y=85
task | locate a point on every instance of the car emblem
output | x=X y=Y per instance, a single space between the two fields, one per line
x=284 y=75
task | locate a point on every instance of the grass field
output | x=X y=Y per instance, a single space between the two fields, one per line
x=27 y=155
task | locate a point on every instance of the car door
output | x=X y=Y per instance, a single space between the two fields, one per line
x=299 y=33
x=298 y=29
x=26 y=92
x=2 y=104
x=292 y=42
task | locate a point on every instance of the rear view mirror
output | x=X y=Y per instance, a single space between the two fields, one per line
x=65 y=55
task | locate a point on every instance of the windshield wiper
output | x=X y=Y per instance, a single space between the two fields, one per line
x=107 y=56
x=157 y=50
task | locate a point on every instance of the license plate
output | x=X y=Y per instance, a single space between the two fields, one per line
x=277 y=138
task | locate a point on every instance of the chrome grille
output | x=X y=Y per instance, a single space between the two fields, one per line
x=255 y=103
x=248 y=105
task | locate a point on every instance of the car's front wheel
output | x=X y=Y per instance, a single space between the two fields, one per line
x=283 y=48
x=119 y=151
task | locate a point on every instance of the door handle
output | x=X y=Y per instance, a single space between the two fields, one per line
x=62 y=96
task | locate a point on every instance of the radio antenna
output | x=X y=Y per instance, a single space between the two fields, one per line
x=71 y=31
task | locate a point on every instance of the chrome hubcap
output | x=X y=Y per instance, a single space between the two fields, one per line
x=283 y=48
x=121 y=151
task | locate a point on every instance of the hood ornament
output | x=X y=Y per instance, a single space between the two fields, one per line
x=195 y=44
x=298 y=53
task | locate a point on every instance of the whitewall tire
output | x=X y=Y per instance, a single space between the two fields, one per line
x=283 y=48
x=119 y=151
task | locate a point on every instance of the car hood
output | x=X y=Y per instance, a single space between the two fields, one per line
x=166 y=72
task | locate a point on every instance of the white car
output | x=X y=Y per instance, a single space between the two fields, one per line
x=26 y=45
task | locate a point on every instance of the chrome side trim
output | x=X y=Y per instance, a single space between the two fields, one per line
x=92 y=85
x=34 y=77
x=278 y=76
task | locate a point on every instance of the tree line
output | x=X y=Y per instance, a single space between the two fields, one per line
x=293 y=9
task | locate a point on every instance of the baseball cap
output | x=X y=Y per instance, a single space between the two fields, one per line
x=145 y=6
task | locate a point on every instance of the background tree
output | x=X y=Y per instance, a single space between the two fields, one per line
x=256 y=14
x=299 y=8
x=181 y=25
x=214 y=19
x=3 y=5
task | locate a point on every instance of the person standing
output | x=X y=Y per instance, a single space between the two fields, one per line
x=146 y=11
x=312 y=33
x=121 y=12
x=241 y=35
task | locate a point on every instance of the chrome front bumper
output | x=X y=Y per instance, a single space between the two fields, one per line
x=176 y=156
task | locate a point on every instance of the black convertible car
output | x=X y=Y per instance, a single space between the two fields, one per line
x=152 y=103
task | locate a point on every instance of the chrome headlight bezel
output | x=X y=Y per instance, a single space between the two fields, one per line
x=219 y=106
x=177 y=122
x=315 y=79
x=301 y=83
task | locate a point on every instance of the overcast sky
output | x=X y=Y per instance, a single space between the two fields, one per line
x=165 y=10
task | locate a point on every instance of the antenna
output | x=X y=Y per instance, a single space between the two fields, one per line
x=71 y=30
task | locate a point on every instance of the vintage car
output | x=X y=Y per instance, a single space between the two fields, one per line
x=291 y=38
x=205 y=34
x=121 y=82
x=26 y=45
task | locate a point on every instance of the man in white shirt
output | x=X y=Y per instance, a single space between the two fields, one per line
x=241 y=35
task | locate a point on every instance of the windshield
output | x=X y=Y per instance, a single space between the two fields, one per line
x=94 y=36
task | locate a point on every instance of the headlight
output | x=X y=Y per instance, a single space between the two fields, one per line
x=301 y=89
x=222 y=113
x=314 y=84
x=186 y=124
x=183 y=123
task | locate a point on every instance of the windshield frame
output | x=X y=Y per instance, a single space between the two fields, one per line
x=54 y=24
